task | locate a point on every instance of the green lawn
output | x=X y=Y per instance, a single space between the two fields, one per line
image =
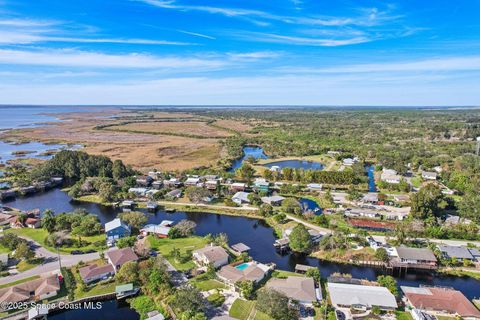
x=96 y=290
x=4 y=250
x=262 y=316
x=241 y=309
x=39 y=235
x=206 y=284
x=165 y=246
x=6 y=285
x=25 y=265
x=285 y=274
x=403 y=315
x=216 y=299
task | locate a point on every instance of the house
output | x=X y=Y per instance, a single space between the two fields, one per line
x=119 y=257
x=154 y=315
x=440 y=302
x=422 y=258
x=34 y=290
x=275 y=169
x=154 y=174
x=261 y=185
x=240 y=248
x=176 y=193
x=250 y=271
x=192 y=182
x=215 y=255
x=211 y=184
x=33 y=223
x=401 y=198
x=157 y=230
x=357 y=212
x=6 y=218
x=93 y=272
x=361 y=297
x=350 y=161
x=241 y=198
x=390 y=178
x=429 y=175
x=128 y=204
x=238 y=186
x=314 y=186
x=144 y=181
x=172 y=183
x=454 y=220
x=389 y=171
x=456 y=252
x=300 y=289
x=139 y=192
x=273 y=200
x=157 y=185
x=116 y=229
x=370 y=198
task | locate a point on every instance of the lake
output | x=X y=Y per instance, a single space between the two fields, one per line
x=32 y=150
x=248 y=151
x=296 y=164
x=309 y=205
x=254 y=233
x=371 y=178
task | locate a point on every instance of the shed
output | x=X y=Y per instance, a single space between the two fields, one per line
x=240 y=247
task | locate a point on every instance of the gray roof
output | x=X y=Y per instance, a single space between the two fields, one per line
x=240 y=247
x=415 y=254
x=115 y=223
x=456 y=252
x=296 y=288
x=352 y=294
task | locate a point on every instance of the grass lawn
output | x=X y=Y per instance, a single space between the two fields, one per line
x=476 y=302
x=25 y=265
x=4 y=250
x=6 y=285
x=403 y=315
x=204 y=284
x=165 y=246
x=262 y=316
x=416 y=182
x=284 y=274
x=241 y=309
x=39 y=236
x=93 y=198
x=96 y=290
x=216 y=299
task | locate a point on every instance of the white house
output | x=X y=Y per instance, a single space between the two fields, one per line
x=241 y=197
x=429 y=175
x=215 y=255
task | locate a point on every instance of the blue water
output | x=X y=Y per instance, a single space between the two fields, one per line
x=371 y=179
x=36 y=149
x=256 y=152
x=242 y=266
x=296 y=164
x=109 y=310
x=310 y=206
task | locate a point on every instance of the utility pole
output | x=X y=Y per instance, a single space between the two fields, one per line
x=478 y=146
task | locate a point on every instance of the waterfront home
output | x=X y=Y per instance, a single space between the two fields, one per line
x=157 y=185
x=139 y=192
x=172 y=183
x=144 y=181
x=460 y=253
x=370 y=198
x=34 y=290
x=361 y=297
x=210 y=255
x=429 y=175
x=56 y=181
x=116 y=229
x=192 y=182
x=314 y=186
x=240 y=248
x=238 y=186
x=241 y=198
x=421 y=258
x=152 y=206
x=128 y=204
x=273 y=200
x=175 y=194
x=160 y=231
x=119 y=257
x=443 y=301
x=33 y=223
x=250 y=271
x=275 y=169
x=261 y=185
x=390 y=178
x=300 y=289
x=93 y=272
x=211 y=184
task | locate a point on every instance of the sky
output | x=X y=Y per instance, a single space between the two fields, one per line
x=240 y=52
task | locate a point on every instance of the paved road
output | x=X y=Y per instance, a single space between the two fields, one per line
x=50 y=262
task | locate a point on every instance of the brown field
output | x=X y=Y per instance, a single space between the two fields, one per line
x=184 y=128
x=141 y=150
x=239 y=126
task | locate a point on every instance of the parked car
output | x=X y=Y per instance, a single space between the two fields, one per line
x=339 y=315
x=75 y=252
x=91 y=251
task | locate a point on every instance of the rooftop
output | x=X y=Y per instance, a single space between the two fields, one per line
x=121 y=256
x=296 y=288
x=213 y=253
x=416 y=254
x=353 y=294
x=115 y=223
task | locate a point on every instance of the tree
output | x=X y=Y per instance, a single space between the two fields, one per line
x=128 y=273
x=107 y=191
x=245 y=172
x=266 y=210
x=314 y=273
x=188 y=299
x=23 y=251
x=246 y=288
x=119 y=171
x=353 y=194
x=197 y=194
x=427 y=202
x=135 y=219
x=48 y=220
x=389 y=282
x=382 y=255
x=254 y=199
x=126 y=242
x=184 y=228
x=300 y=239
x=274 y=304
x=469 y=206
x=291 y=205
x=70 y=283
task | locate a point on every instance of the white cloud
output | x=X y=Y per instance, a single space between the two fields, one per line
x=26 y=23
x=196 y=34
x=304 y=41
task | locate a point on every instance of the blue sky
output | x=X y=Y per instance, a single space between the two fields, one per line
x=265 y=52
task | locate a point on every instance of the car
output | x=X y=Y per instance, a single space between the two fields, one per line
x=91 y=251
x=75 y=252
x=339 y=315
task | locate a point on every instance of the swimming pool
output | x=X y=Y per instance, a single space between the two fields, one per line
x=242 y=266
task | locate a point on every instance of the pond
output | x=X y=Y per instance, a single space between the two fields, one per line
x=296 y=164
x=371 y=178
x=309 y=205
x=36 y=150
x=254 y=233
x=248 y=151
